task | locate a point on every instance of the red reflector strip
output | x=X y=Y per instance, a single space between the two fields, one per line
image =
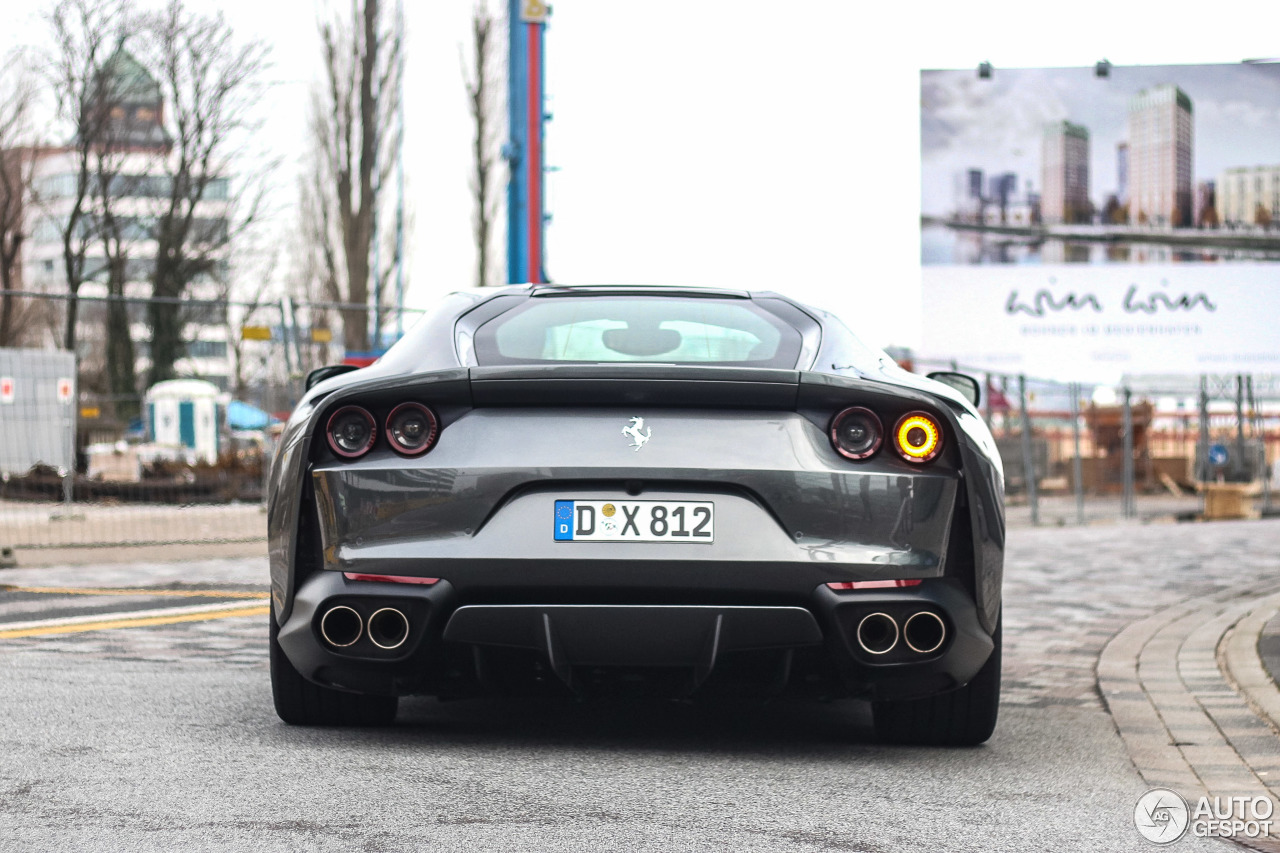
x=356 y=576
x=875 y=584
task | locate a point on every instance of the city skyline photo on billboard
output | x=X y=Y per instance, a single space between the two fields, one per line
x=1096 y=226
x=1173 y=151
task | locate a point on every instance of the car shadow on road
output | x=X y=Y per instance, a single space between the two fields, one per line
x=633 y=724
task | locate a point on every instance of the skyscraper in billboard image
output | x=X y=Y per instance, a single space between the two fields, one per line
x=1093 y=226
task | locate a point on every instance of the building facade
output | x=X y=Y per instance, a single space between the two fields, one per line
x=1204 y=212
x=1064 y=189
x=1122 y=173
x=1249 y=195
x=967 y=196
x=1001 y=192
x=1161 y=142
x=138 y=182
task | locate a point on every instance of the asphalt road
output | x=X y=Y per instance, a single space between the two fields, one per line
x=162 y=737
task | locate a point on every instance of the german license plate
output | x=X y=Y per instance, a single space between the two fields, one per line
x=634 y=521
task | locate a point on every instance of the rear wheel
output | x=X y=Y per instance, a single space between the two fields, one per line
x=301 y=703
x=964 y=717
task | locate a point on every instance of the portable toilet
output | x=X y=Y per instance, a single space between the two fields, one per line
x=187 y=413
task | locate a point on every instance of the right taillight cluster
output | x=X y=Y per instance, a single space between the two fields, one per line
x=410 y=429
x=857 y=433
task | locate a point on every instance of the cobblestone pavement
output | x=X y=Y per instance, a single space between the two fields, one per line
x=1188 y=695
x=1069 y=590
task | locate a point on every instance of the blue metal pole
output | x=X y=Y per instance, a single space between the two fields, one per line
x=517 y=144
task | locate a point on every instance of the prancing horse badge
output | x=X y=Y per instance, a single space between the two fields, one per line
x=638 y=433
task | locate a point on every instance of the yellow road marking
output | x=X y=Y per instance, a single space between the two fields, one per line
x=139 y=621
x=176 y=593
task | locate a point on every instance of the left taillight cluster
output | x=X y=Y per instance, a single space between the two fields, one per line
x=858 y=433
x=410 y=429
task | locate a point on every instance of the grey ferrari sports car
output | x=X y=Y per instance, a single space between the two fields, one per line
x=684 y=491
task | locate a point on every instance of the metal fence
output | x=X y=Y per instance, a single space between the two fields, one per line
x=186 y=461
x=1184 y=447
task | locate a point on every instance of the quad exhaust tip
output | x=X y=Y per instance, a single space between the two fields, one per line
x=341 y=626
x=924 y=632
x=388 y=628
x=877 y=633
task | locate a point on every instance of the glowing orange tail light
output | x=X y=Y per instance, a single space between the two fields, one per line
x=917 y=437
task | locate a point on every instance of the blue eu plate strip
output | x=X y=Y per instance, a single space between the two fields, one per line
x=564 y=520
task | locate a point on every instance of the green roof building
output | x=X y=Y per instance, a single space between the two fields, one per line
x=134 y=101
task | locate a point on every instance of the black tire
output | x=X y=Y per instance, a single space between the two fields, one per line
x=301 y=703
x=964 y=717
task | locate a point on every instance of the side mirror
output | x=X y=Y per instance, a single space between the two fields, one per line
x=329 y=371
x=966 y=385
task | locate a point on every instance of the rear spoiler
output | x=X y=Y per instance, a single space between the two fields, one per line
x=641 y=385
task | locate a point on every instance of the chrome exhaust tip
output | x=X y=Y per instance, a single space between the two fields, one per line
x=341 y=626
x=388 y=628
x=924 y=632
x=877 y=633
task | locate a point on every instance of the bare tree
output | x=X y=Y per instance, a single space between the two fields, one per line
x=354 y=132
x=17 y=157
x=86 y=33
x=211 y=84
x=116 y=234
x=483 y=103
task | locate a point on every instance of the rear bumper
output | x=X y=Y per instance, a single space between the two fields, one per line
x=449 y=637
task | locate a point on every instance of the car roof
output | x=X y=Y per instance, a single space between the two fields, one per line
x=635 y=290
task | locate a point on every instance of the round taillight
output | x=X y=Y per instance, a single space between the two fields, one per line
x=917 y=437
x=856 y=433
x=351 y=432
x=412 y=429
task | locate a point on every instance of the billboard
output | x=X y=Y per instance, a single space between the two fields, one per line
x=1078 y=226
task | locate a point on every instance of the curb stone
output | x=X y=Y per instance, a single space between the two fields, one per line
x=1171 y=681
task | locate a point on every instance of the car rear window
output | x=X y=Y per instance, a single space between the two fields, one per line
x=655 y=329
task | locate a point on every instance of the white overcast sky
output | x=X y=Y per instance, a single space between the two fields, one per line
x=750 y=144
